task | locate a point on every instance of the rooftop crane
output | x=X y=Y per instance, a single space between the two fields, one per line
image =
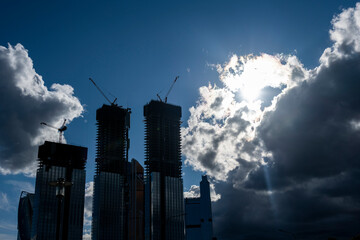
x=102 y=93
x=60 y=130
x=167 y=94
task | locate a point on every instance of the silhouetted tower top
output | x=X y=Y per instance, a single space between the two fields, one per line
x=162 y=138
x=113 y=123
x=62 y=155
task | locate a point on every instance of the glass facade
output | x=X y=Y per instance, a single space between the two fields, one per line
x=164 y=204
x=111 y=188
x=25 y=214
x=109 y=210
x=136 y=200
x=59 y=161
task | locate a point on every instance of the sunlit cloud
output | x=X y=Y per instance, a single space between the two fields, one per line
x=224 y=121
x=31 y=103
x=250 y=74
x=194 y=192
x=89 y=191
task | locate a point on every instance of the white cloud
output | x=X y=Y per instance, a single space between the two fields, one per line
x=194 y=192
x=222 y=126
x=89 y=191
x=87 y=236
x=346 y=28
x=31 y=103
x=214 y=196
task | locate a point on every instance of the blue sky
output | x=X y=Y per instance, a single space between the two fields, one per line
x=134 y=50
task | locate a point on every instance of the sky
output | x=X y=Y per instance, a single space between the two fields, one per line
x=268 y=90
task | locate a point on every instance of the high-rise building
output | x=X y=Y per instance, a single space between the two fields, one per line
x=164 y=202
x=56 y=161
x=110 y=202
x=136 y=201
x=25 y=214
x=198 y=218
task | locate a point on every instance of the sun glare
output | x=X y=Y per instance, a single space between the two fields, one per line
x=250 y=74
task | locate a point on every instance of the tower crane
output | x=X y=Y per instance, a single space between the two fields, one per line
x=167 y=94
x=102 y=93
x=60 y=130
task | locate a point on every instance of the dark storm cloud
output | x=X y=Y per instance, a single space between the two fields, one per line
x=311 y=133
x=25 y=102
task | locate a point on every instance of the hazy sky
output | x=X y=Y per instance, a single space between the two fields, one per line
x=268 y=90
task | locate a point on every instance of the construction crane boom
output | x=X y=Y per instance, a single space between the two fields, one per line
x=60 y=130
x=102 y=93
x=172 y=85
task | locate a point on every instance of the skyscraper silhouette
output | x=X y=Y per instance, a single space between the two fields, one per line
x=110 y=202
x=25 y=214
x=198 y=216
x=136 y=200
x=56 y=161
x=164 y=206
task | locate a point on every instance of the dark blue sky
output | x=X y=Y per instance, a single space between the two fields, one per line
x=134 y=49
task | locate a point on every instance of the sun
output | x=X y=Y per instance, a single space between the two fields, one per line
x=250 y=74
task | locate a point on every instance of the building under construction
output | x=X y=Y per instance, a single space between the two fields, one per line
x=110 y=202
x=164 y=206
x=57 y=160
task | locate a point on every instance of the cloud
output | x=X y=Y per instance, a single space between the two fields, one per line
x=214 y=196
x=224 y=121
x=194 y=192
x=282 y=141
x=27 y=102
x=89 y=191
x=87 y=236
